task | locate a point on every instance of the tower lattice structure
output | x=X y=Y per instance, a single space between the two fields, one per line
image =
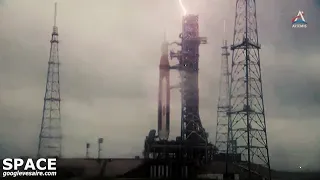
x=247 y=113
x=50 y=136
x=223 y=102
x=191 y=126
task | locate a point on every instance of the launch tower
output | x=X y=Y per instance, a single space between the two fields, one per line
x=50 y=134
x=191 y=127
x=247 y=114
x=177 y=158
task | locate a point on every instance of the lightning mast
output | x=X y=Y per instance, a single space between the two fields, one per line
x=247 y=114
x=50 y=136
x=223 y=102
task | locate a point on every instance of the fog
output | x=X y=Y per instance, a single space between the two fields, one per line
x=110 y=51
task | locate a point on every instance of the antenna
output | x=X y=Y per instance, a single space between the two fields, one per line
x=224 y=41
x=55 y=14
x=224 y=28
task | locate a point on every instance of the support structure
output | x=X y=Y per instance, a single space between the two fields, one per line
x=223 y=102
x=50 y=137
x=180 y=157
x=191 y=127
x=247 y=114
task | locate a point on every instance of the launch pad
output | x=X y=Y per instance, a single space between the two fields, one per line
x=176 y=158
x=241 y=125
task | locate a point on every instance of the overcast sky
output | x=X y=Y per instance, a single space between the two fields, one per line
x=110 y=52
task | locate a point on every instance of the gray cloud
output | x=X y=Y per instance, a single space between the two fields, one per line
x=305 y=94
x=110 y=52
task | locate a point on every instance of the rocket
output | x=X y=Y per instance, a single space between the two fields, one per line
x=164 y=94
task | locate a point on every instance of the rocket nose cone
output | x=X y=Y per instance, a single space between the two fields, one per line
x=164 y=48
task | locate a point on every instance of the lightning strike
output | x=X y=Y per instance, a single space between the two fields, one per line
x=183 y=8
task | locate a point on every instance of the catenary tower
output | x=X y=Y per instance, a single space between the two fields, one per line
x=247 y=114
x=50 y=134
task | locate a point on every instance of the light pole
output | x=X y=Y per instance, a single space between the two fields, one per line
x=87 y=150
x=100 y=141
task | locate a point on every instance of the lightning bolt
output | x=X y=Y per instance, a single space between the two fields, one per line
x=182 y=7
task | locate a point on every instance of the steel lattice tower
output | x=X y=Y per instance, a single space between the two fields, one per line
x=247 y=114
x=191 y=127
x=50 y=134
x=223 y=102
